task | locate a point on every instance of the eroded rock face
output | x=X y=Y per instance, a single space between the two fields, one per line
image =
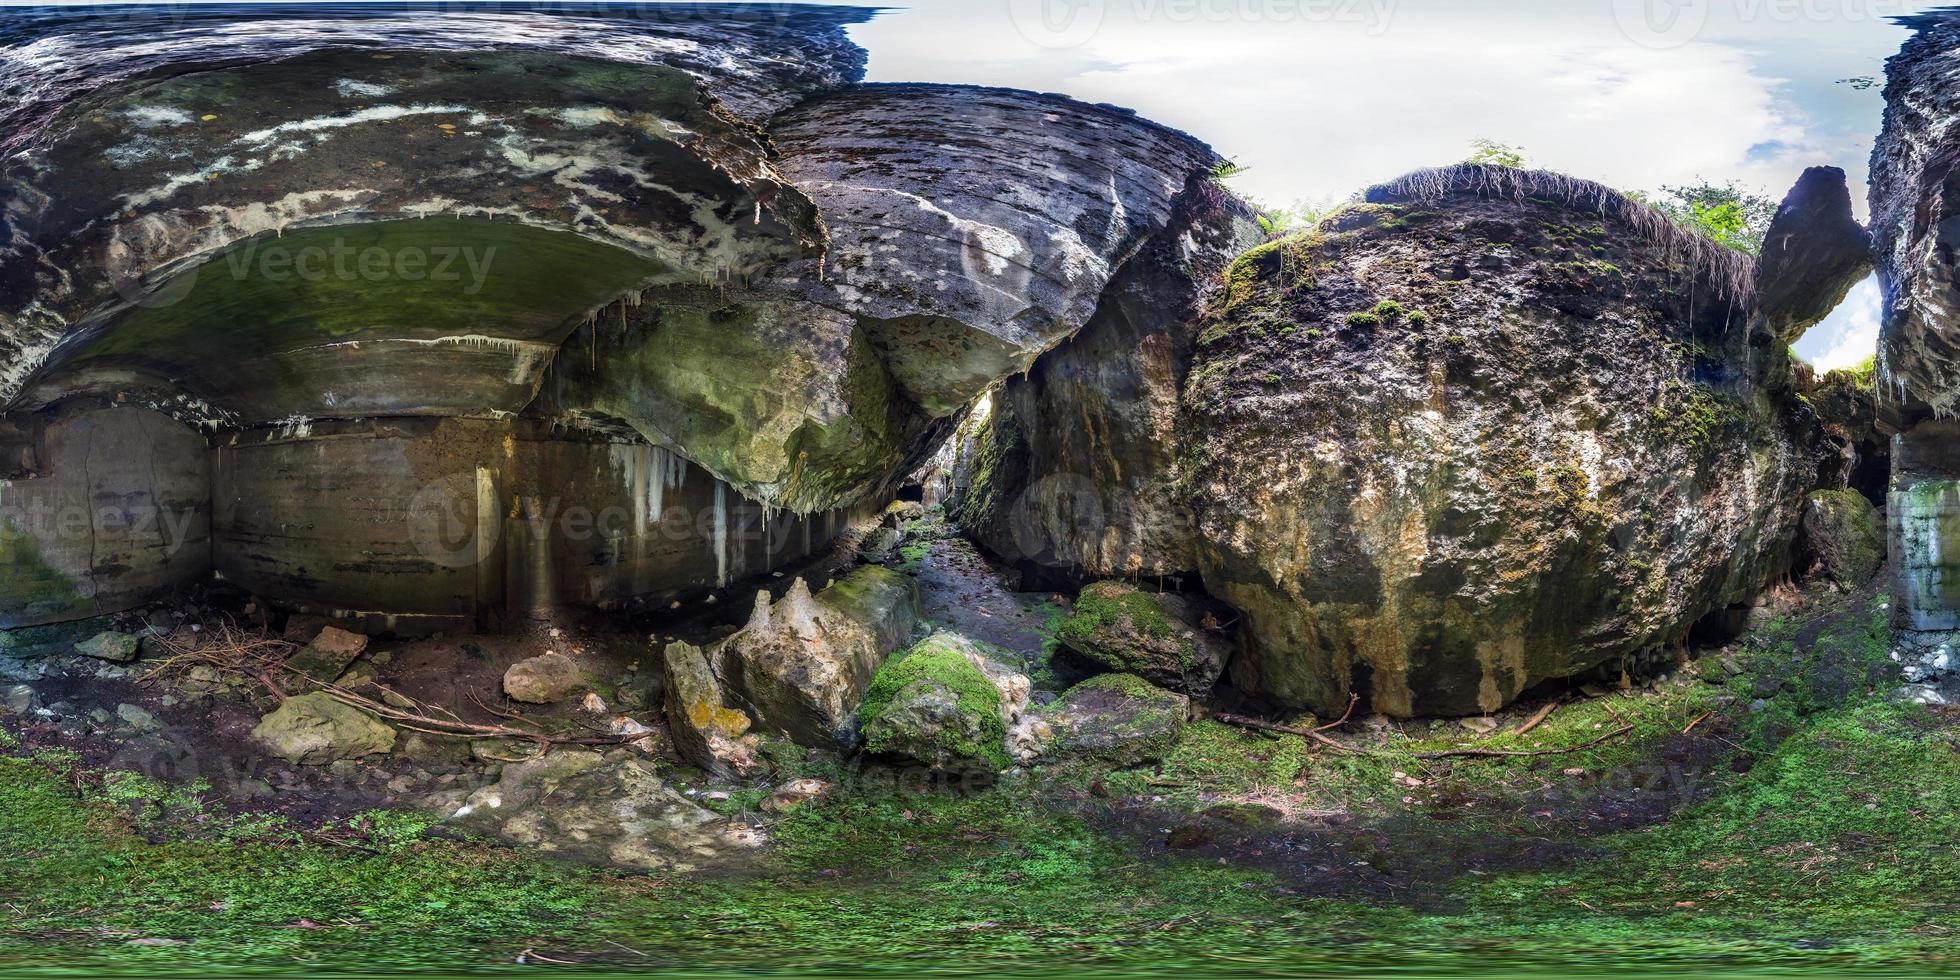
x=1486 y=430
x=706 y=731
x=1915 y=200
x=1073 y=466
x=459 y=249
x=1845 y=536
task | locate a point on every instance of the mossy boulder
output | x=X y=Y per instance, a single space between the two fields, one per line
x=1116 y=719
x=933 y=705
x=1157 y=636
x=1845 y=536
x=316 y=729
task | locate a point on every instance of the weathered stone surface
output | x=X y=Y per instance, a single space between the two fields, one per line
x=971 y=228
x=1491 y=428
x=1116 y=719
x=329 y=654
x=1157 y=636
x=575 y=805
x=801 y=666
x=114 y=512
x=706 y=731
x=1845 y=536
x=314 y=730
x=936 y=705
x=1814 y=253
x=119 y=647
x=1915 y=201
x=544 y=679
x=1073 y=466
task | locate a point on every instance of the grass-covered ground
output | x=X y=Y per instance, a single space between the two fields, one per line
x=1821 y=836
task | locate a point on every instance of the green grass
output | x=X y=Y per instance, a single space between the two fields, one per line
x=1829 y=845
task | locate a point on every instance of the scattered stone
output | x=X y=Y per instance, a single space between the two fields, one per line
x=574 y=804
x=802 y=666
x=112 y=646
x=1480 y=725
x=315 y=729
x=434 y=749
x=797 y=792
x=1119 y=719
x=17 y=700
x=137 y=718
x=1156 y=636
x=593 y=703
x=880 y=545
x=332 y=651
x=933 y=705
x=545 y=679
x=706 y=731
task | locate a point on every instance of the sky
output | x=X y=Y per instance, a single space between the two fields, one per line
x=1320 y=98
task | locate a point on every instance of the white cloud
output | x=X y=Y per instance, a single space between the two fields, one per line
x=1850 y=334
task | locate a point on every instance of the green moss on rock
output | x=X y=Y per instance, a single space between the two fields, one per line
x=931 y=704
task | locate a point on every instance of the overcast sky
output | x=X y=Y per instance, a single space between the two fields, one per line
x=1319 y=98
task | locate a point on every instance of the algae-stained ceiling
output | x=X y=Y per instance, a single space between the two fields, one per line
x=441 y=316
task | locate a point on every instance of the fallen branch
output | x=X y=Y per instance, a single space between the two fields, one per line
x=1539 y=717
x=1515 y=753
x=1267 y=726
x=1697 y=721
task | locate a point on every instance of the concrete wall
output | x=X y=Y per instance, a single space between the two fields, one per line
x=114 y=514
x=416 y=524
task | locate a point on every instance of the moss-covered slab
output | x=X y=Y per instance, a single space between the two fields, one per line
x=934 y=706
x=1114 y=719
x=1845 y=536
x=1157 y=636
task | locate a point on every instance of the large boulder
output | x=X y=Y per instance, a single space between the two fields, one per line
x=544 y=679
x=936 y=704
x=801 y=665
x=1814 y=253
x=1159 y=636
x=316 y=729
x=1490 y=428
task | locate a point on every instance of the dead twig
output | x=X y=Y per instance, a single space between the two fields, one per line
x=1267 y=726
x=1514 y=753
x=1538 y=717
